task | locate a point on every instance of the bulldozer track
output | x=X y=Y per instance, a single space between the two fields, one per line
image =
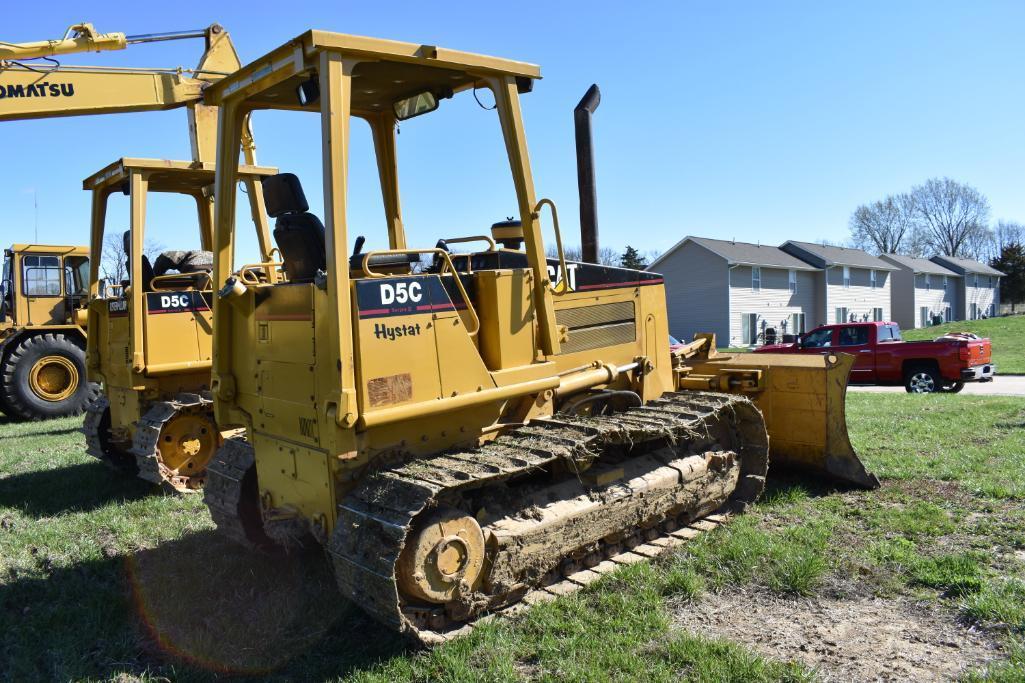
x=146 y=441
x=224 y=491
x=91 y=428
x=376 y=518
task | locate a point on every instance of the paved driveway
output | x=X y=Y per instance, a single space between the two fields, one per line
x=1002 y=385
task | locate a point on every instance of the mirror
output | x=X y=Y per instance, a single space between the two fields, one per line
x=416 y=105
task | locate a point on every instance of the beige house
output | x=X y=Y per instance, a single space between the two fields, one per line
x=737 y=290
x=923 y=291
x=851 y=285
x=979 y=292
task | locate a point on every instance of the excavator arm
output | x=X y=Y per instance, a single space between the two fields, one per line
x=34 y=85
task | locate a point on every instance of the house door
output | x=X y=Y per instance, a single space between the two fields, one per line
x=796 y=323
x=923 y=316
x=749 y=328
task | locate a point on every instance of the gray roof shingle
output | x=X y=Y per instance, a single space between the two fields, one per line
x=966 y=265
x=842 y=256
x=918 y=265
x=745 y=253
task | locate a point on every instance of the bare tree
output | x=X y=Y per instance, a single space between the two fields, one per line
x=885 y=227
x=114 y=260
x=607 y=256
x=953 y=217
x=1007 y=233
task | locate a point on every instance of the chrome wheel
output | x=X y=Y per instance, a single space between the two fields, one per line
x=921 y=383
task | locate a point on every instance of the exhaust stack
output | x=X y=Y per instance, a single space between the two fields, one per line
x=585 y=173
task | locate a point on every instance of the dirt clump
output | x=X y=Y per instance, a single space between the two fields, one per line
x=865 y=638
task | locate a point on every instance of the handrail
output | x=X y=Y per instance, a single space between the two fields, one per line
x=158 y=280
x=448 y=263
x=248 y=270
x=473 y=238
x=536 y=215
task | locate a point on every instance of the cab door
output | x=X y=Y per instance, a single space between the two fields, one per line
x=857 y=341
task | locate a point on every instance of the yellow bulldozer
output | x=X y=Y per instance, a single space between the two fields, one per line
x=150 y=340
x=43 y=295
x=461 y=433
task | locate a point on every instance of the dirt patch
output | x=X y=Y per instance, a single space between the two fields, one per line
x=863 y=639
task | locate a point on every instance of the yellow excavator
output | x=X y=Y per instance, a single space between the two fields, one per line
x=150 y=340
x=465 y=436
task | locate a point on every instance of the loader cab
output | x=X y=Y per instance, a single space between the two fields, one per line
x=150 y=320
x=42 y=285
x=364 y=350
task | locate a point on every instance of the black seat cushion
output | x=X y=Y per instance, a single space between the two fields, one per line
x=147 y=269
x=301 y=239
x=298 y=233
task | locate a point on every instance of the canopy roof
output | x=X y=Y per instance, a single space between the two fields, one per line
x=387 y=71
x=187 y=177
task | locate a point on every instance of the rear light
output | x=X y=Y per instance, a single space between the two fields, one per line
x=966 y=353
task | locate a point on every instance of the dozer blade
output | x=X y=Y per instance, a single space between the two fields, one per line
x=803 y=401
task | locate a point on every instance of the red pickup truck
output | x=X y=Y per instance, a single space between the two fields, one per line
x=882 y=357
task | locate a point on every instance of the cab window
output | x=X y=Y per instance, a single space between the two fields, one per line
x=41 y=275
x=853 y=336
x=819 y=339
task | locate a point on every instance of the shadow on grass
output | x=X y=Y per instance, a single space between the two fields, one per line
x=785 y=484
x=75 y=488
x=191 y=609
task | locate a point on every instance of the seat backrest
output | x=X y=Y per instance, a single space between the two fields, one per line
x=298 y=233
x=147 y=269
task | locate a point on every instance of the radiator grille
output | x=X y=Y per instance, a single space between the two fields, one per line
x=592 y=327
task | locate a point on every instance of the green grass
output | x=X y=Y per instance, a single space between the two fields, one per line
x=1007 y=335
x=102 y=578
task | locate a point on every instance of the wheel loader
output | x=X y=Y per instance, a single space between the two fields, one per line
x=151 y=334
x=42 y=332
x=459 y=435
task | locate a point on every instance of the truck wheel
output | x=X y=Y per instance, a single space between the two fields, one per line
x=952 y=388
x=922 y=380
x=44 y=377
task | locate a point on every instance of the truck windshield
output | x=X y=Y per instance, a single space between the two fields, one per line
x=889 y=333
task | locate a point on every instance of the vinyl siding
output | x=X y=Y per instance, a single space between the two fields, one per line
x=935 y=298
x=860 y=298
x=773 y=304
x=983 y=295
x=902 y=297
x=697 y=292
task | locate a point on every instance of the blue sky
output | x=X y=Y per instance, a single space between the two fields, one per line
x=754 y=121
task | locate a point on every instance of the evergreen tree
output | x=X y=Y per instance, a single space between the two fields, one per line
x=632 y=259
x=1011 y=262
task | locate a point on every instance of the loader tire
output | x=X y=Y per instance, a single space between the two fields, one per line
x=43 y=377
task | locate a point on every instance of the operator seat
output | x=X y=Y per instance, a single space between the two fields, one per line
x=298 y=233
x=147 y=269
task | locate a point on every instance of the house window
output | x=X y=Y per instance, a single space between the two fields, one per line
x=756 y=279
x=841 y=314
x=928 y=282
x=944 y=283
x=793 y=281
x=872 y=278
x=975 y=280
x=846 y=277
x=877 y=315
x=989 y=282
